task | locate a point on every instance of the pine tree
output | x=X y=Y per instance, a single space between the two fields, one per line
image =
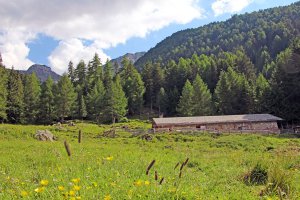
x=82 y=112
x=94 y=71
x=81 y=78
x=115 y=101
x=71 y=72
x=65 y=97
x=32 y=91
x=133 y=86
x=96 y=101
x=162 y=101
x=185 y=105
x=15 y=104
x=262 y=88
x=233 y=93
x=47 y=104
x=3 y=93
x=202 y=99
x=173 y=96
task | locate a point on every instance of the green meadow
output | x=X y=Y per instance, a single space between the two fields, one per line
x=187 y=165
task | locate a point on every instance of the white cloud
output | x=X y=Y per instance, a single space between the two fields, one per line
x=74 y=50
x=229 y=6
x=105 y=22
x=14 y=50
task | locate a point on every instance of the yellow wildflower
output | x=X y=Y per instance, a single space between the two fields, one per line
x=24 y=193
x=76 y=180
x=147 y=182
x=94 y=184
x=72 y=193
x=76 y=188
x=78 y=198
x=107 y=197
x=109 y=158
x=61 y=188
x=138 y=183
x=39 y=189
x=44 y=182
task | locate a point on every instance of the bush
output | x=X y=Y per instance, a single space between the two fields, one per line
x=257 y=176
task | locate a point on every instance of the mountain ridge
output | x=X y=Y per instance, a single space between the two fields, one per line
x=42 y=72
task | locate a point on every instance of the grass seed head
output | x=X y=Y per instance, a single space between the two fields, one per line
x=150 y=166
x=161 y=181
x=67 y=147
x=79 y=136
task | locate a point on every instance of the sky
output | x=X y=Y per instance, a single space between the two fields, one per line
x=57 y=31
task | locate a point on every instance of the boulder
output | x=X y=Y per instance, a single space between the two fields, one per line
x=44 y=135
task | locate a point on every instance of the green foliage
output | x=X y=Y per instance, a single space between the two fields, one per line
x=32 y=92
x=65 y=97
x=268 y=30
x=285 y=84
x=185 y=106
x=202 y=99
x=47 y=104
x=3 y=94
x=96 y=101
x=233 y=93
x=133 y=86
x=162 y=101
x=15 y=98
x=257 y=176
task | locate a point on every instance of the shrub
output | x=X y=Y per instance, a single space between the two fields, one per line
x=257 y=176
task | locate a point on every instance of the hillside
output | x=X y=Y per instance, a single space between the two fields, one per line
x=42 y=72
x=262 y=34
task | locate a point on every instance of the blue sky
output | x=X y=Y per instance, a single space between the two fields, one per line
x=110 y=28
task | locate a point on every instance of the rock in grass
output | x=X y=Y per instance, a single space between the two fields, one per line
x=44 y=135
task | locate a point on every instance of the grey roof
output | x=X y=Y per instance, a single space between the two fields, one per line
x=216 y=119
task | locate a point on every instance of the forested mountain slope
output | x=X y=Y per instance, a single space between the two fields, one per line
x=262 y=34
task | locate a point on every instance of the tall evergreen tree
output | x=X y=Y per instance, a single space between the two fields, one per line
x=262 y=88
x=285 y=84
x=185 y=105
x=47 y=104
x=32 y=91
x=3 y=93
x=233 y=93
x=94 y=71
x=15 y=104
x=162 y=101
x=81 y=77
x=96 y=101
x=71 y=72
x=115 y=101
x=65 y=97
x=133 y=86
x=202 y=99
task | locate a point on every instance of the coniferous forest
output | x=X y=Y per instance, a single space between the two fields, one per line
x=248 y=64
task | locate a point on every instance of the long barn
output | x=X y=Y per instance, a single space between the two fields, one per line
x=247 y=123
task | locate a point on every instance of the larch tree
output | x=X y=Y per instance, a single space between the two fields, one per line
x=185 y=105
x=133 y=86
x=202 y=99
x=3 y=93
x=96 y=101
x=47 y=104
x=32 y=91
x=65 y=97
x=15 y=98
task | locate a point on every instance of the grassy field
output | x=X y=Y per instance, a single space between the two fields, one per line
x=226 y=166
